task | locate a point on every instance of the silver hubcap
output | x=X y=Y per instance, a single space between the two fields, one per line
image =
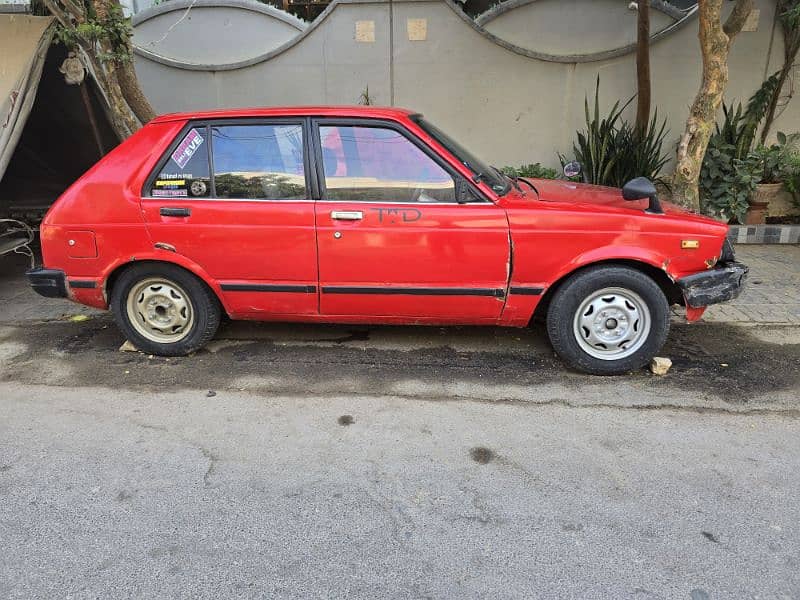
x=160 y=310
x=612 y=323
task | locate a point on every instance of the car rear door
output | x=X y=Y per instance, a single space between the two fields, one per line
x=393 y=241
x=233 y=197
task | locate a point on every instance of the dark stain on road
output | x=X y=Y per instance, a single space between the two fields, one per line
x=481 y=455
x=86 y=354
x=345 y=420
x=352 y=336
x=710 y=536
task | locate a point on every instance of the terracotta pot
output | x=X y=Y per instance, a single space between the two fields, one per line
x=757 y=213
x=759 y=202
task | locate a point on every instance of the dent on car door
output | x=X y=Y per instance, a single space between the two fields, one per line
x=393 y=240
x=233 y=198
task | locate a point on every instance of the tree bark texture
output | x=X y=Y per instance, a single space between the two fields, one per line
x=791 y=47
x=643 y=66
x=715 y=44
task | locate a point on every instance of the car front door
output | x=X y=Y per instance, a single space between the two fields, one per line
x=233 y=197
x=393 y=241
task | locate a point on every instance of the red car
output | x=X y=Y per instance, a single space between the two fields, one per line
x=369 y=215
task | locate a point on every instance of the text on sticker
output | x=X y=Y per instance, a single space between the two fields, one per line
x=186 y=149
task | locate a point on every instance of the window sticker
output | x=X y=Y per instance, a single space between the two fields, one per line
x=198 y=188
x=186 y=149
x=170 y=193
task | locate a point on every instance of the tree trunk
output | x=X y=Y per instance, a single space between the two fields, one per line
x=643 y=66
x=791 y=47
x=132 y=92
x=110 y=59
x=715 y=45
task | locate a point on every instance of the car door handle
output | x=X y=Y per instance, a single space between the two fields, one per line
x=347 y=215
x=168 y=211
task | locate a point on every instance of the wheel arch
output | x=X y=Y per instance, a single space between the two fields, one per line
x=671 y=290
x=114 y=275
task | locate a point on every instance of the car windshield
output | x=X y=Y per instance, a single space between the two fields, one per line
x=490 y=175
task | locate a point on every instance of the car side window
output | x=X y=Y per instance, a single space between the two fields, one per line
x=381 y=165
x=263 y=162
x=185 y=173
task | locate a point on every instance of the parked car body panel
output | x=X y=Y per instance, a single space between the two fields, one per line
x=487 y=262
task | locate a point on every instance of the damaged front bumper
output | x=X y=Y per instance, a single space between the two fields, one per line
x=720 y=284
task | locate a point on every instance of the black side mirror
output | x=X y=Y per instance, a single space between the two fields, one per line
x=641 y=188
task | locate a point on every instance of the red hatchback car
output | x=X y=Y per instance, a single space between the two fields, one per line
x=369 y=215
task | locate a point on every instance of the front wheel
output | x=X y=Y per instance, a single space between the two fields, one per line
x=164 y=310
x=608 y=320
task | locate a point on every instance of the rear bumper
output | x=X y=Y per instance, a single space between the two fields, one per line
x=50 y=283
x=720 y=284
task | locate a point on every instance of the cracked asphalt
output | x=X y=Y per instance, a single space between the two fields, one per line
x=297 y=461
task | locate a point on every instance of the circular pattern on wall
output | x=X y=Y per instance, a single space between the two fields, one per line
x=574 y=31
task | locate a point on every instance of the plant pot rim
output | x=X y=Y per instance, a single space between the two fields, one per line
x=770 y=185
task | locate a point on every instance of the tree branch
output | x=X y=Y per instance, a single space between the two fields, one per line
x=737 y=18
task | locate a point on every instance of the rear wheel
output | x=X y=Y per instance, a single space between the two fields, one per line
x=162 y=309
x=608 y=320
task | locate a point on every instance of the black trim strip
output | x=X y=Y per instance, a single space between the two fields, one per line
x=266 y=287
x=527 y=291
x=415 y=291
x=77 y=283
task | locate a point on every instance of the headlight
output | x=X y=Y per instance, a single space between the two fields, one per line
x=727 y=252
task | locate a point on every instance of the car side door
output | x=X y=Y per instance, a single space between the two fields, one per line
x=394 y=242
x=233 y=196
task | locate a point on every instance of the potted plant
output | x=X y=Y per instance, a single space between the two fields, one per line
x=777 y=167
x=770 y=162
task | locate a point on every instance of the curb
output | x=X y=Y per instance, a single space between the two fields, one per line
x=764 y=234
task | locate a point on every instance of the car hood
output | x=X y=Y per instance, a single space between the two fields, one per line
x=601 y=198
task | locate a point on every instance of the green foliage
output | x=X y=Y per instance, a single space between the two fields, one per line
x=739 y=125
x=534 y=171
x=773 y=161
x=792 y=179
x=596 y=146
x=790 y=169
x=770 y=161
x=756 y=110
x=612 y=152
x=114 y=30
x=726 y=181
x=641 y=154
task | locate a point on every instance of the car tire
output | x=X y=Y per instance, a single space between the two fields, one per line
x=164 y=310
x=608 y=320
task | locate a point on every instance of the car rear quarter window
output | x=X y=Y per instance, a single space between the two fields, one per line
x=261 y=162
x=380 y=165
x=185 y=172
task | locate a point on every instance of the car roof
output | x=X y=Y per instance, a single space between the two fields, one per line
x=373 y=112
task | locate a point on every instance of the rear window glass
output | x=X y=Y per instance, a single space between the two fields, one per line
x=259 y=161
x=186 y=173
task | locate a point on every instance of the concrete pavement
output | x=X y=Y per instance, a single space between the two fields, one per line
x=112 y=493
x=311 y=461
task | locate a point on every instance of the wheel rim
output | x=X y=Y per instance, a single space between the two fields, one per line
x=612 y=323
x=160 y=310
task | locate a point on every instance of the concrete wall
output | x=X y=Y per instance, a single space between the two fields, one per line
x=483 y=84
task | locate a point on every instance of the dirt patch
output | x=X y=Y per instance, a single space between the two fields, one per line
x=481 y=455
x=718 y=360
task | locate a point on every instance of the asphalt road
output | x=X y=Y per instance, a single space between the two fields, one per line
x=341 y=462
